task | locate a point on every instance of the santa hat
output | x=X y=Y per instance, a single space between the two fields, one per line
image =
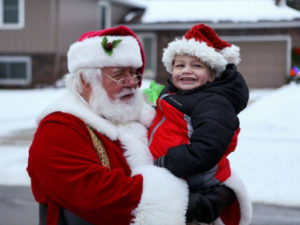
x=202 y=42
x=118 y=47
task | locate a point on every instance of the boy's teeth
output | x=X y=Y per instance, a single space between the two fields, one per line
x=187 y=78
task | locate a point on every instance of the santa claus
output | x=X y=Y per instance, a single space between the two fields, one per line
x=89 y=161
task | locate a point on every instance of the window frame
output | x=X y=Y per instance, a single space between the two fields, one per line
x=153 y=55
x=24 y=59
x=107 y=21
x=21 y=17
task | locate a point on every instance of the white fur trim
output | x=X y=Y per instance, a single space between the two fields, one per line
x=237 y=185
x=164 y=199
x=133 y=137
x=73 y=104
x=147 y=114
x=89 y=53
x=232 y=54
x=194 y=48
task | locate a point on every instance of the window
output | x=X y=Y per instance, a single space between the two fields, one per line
x=15 y=70
x=104 y=15
x=148 y=41
x=11 y=14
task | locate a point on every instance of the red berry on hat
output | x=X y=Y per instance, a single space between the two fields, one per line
x=109 y=46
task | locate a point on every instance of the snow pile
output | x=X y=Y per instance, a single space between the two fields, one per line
x=268 y=154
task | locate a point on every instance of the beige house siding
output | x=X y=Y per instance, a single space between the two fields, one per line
x=76 y=17
x=37 y=34
x=50 y=27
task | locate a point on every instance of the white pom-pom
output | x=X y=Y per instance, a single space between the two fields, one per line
x=231 y=54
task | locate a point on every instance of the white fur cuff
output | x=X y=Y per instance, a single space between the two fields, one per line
x=164 y=199
x=237 y=185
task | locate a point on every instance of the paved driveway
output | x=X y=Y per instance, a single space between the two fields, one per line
x=17 y=207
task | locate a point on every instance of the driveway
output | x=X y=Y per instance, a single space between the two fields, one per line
x=17 y=207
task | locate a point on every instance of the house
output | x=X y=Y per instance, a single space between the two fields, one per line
x=35 y=35
x=266 y=31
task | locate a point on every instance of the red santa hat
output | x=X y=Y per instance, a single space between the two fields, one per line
x=118 y=47
x=202 y=42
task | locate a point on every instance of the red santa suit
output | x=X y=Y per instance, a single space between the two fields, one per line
x=66 y=172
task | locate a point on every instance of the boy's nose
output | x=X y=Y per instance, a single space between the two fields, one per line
x=187 y=69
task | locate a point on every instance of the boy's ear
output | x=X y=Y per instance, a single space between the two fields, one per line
x=212 y=76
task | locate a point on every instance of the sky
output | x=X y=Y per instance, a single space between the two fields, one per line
x=267 y=157
x=215 y=10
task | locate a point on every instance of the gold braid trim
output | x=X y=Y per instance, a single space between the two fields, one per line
x=99 y=148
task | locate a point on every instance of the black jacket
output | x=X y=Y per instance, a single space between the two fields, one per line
x=213 y=110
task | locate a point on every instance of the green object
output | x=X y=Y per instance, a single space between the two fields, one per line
x=153 y=92
x=109 y=46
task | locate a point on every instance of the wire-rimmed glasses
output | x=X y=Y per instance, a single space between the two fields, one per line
x=136 y=77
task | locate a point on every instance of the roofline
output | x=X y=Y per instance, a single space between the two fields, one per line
x=220 y=26
x=130 y=4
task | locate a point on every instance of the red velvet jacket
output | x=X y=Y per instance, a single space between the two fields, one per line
x=65 y=171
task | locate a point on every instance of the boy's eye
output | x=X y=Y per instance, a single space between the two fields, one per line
x=198 y=65
x=179 y=65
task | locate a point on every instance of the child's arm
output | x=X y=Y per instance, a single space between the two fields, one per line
x=213 y=129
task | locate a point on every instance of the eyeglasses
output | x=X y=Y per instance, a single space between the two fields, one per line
x=136 y=77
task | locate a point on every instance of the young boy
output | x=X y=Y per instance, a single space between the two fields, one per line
x=196 y=124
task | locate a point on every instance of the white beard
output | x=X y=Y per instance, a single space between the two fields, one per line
x=116 y=110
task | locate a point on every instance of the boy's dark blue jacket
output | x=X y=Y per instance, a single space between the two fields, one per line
x=210 y=114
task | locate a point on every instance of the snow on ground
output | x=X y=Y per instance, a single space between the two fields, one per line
x=13 y=164
x=267 y=157
x=268 y=154
x=19 y=108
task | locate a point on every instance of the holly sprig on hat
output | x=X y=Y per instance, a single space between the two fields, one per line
x=109 y=46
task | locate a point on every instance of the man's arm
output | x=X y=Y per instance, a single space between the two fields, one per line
x=213 y=129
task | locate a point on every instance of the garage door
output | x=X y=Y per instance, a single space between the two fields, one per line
x=265 y=59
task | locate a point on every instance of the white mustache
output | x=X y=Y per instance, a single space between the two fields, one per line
x=126 y=91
